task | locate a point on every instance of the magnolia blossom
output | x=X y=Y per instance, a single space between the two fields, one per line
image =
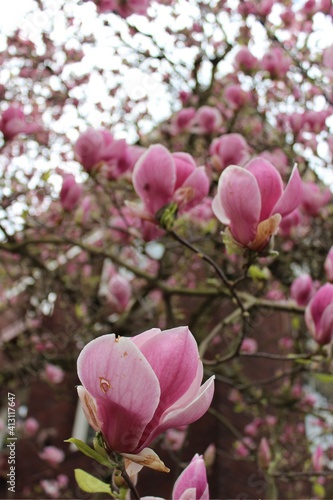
x=136 y=388
x=314 y=198
x=160 y=178
x=53 y=373
x=13 y=122
x=70 y=193
x=302 y=289
x=192 y=483
x=229 y=149
x=120 y=292
x=52 y=455
x=328 y=265
x=319 y=315
x=98 y=147
x=207 y=120
x=251 y=202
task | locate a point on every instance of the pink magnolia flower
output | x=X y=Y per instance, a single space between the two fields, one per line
x=31 y=426
x=314 y=198
x=192 y=483
x=245 y=60
x=13 y=122
x=52 y=455
x=236 y=96
x=120 y=291
x=251 y=201
x=183 y=120
x=318 y=459
x=160 y=178
x=207 y=120
x=319 y=315
x=136 y=388
x=264 y=454
x=249 y=345
x=328 y=265
x=54 y=374
x=302 y=289
x=276 y=62
x=229 y=149
x=96 y=147
x=70 y=193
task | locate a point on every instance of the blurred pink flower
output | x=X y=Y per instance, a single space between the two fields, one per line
x=302 y=289
x=52 y=455
x=229 y=149
x=13 y=122
x=328 y=265
x=70 y=193
x=53 y=373
x=31 y=426
x=319 y=315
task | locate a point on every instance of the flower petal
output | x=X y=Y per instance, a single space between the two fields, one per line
x=174 y=357
x=269 y=182
x=187 y=414
x=265 y=231
x=292 y=195
x=147 y=458
x=325 y=332
x=154 y=177
x=89 y=408
x=117 y=382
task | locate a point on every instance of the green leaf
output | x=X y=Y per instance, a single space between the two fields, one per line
x=256 y=273
x=301 y=361
x=90 y=452
x=319 y=490
x=324 y=377
x=90 y=483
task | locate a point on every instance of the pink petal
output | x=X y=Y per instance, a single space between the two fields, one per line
x=239 y=197
x=142 y=338
x=146 y=458
x=89 y=408
x=154 y=177
x=185 y=165
x=197 y=185
x=325 y=332
x=174 y=357
x=188 y=413
x=292 y=195
x=126 y=389
x=269 y=182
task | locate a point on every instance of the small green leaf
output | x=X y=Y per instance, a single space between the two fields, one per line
x=90 y=483
x=256 y=273
x=301 y=361
x=90 y=452
x=324 y=377
x=319 y=490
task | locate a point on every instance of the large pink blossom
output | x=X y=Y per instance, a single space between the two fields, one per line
x=160 y=178
x=136 y=388
x=251 y=201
